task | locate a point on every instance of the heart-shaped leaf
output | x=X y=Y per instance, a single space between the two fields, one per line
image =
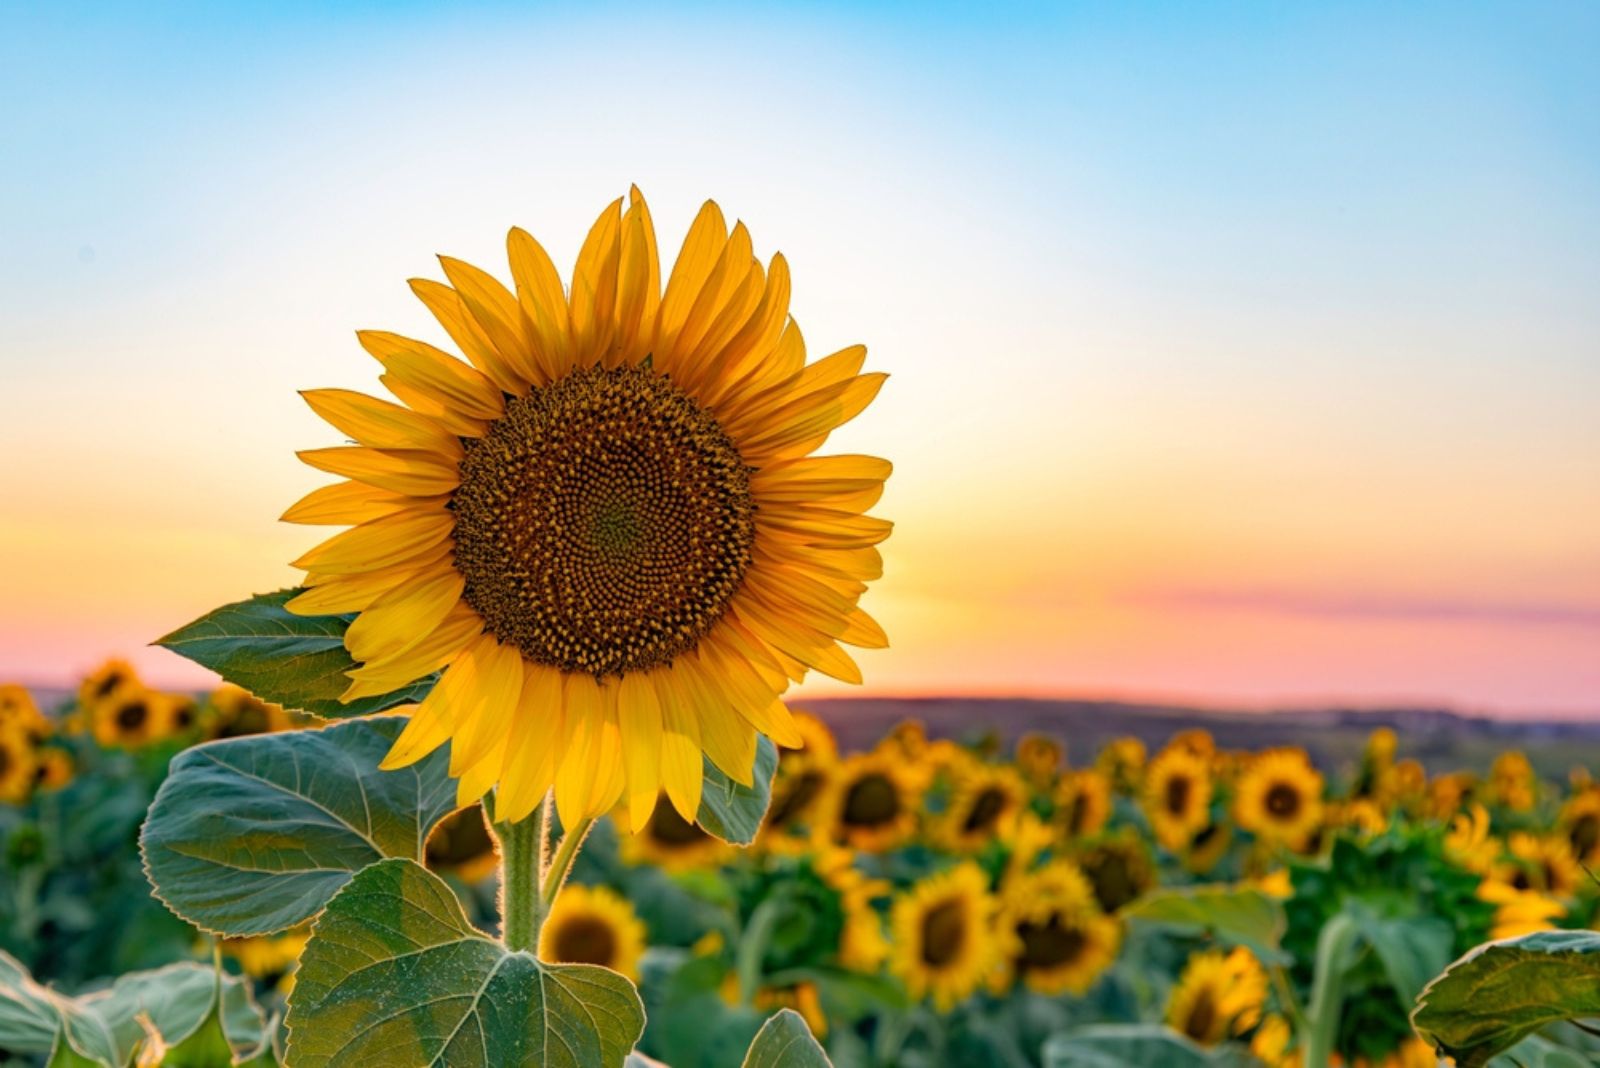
x=733 y=812
x=1501 y=992
x=254 y=835
x=785 y=1041
x=1239 y=915
x=298 y=662
x=394 y=974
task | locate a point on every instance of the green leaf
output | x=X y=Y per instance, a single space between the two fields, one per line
x=254 y=835
x=785 y=1041
x=298 y=662
x=733 y=812
x=1237 y=914
x=1501 y=992
x=394 y=974
x=29 y=1019
x=1412 y=949
x=1132 y=1046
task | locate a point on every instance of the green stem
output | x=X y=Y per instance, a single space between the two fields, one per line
x=561 y=863
x=1336 y=945
x=522 y=908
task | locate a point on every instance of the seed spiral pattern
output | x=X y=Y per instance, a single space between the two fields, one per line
x=603 y=523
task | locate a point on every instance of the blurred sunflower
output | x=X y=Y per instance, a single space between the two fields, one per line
x=669 y=841
x=1273 y=1044
x=1039 y=757
x=1122 y=762
x=1580 y=822
x=131 y=717
x=593 y=925
x=1177 y=795
x=1053 y=936
x=1518 y=912
x=984 y=805
x=19 y=712
x=1541 y=863
x=943 y=942
x=177 y=715
x=801 y=779
x=1219 y=995
x=268 y=958
x=816 y=739
x=1512 y=782
x=1279 y=798
x=236 y=713
x=53 y=768
x=1119 y=868
x=870 y=803
x=105 y=682
x=606 y=528
x=1082 y=803
x=862 y=946
x=803 y=997
x=1468 y=842
x=18 y=765
x=1196 y=741
x=461 y=845
x=1363 y=814
x=1209 y=845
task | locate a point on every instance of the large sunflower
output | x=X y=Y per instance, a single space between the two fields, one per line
x=1279 y=798
x=943 y=943
x=1177 y=795
x=871 y=802
x=593 y=925
x=606 y=527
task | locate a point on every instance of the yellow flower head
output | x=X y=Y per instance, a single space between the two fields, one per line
x=267 y=956
x=606 y=527
x=943 y=941
x=19 y=712
x=593 y=925
x=106 y=682
x=1512 y=782
x=1122 y=762
x=1273 y=1042
x=235 y=712
x=461 y=844
x=669 y=841
x=1518 y=911
x=1219 y=995
x=130 y=718
x=871 y=802
x=1543 y=863
x=54 y=768
x=1053 y=936
x=817 y=741
x=1580 y=822
x=1039 y=756
x=1083 y=804
x=984 y=805
x=1208 y=846
x=18 y=765
x=1119 y=868
x=1177 y=795
x=1468 y=843
x=1279 y=798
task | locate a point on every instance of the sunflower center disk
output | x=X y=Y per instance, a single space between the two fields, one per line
x=585 y=940
x=604 y=523
x=1049 y=944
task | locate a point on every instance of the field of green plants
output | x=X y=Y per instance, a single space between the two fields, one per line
x=183 y=877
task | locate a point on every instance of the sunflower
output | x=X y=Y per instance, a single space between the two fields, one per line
x=1468 y=842
x=1208 y=846
x=131 y=717
x=1365 y=815
x=862 y=946
x=1177 y=795
x=871 y=802
x=19 y=711
x=593 y=925
x=943 y=944
x=1273 y=1044
x=270 y=958
x=1218 y=996
x=53 y=769
x=1053 y=935
x=669 y=841
x=1119 y=868
x=18 y=765
x=1580 y=822
x=1280 y=798
x=803 y=997
x=802 y=776
x=1512 y=782
x=1122 y=762
x=984 y=805
x=606 y=528
x=1039 y=756
x=817 y=740
x=236 y=713
x=1195 y=740
x=461 y=844
x=1083 y=803
x=1518 y=912
x=105 y=682
x=1543 y=864
x=177 y=716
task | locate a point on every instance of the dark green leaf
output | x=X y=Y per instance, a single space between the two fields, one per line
x=732 y=812
x=394 y=974
x=254 y=835
x=1501 y=992
x=1236 y=914
x=785 y=1041
x=298 y=662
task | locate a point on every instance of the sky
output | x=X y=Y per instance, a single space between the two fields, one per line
x=1243 y=355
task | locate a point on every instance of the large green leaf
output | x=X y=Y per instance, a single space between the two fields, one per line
x=108 y=1027
x=298 y=662
x=1240 y=915
x=1501 y=992
x=254 y=835
x=785 y=1041
x=394 y=974
x=733 y=812
x=1413 y=949
x=1133 y=1046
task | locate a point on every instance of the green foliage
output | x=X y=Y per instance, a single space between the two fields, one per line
x=1238 y=915
x=1502 y=992
x=1133 y=1046
x=254 y=835
x=298 y=662
x=785 y=1041
x=733 y=812
x=394 y=973
x=107 y=1028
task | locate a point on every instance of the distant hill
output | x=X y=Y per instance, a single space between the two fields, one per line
x=1441 y=739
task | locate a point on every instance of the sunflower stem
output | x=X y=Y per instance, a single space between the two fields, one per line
x=561 y=863
x=522 y=861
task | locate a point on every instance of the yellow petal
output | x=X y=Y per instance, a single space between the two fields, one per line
x=581 y=724
x=594 y=287
x=511 y=375
x=639 y=719
x=345 y=503
x=531 y=760
x=484 y=722
x=379 y=423
x=414 y=472
x=702 y=247
x=682 y=766
x=380 y=543
x=436 y=374
x=494 y=309
x=337 y=594
x=543 y=302
x=395 y=620
x=430 y=653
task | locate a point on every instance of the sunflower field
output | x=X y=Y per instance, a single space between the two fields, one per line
x=926 y=902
